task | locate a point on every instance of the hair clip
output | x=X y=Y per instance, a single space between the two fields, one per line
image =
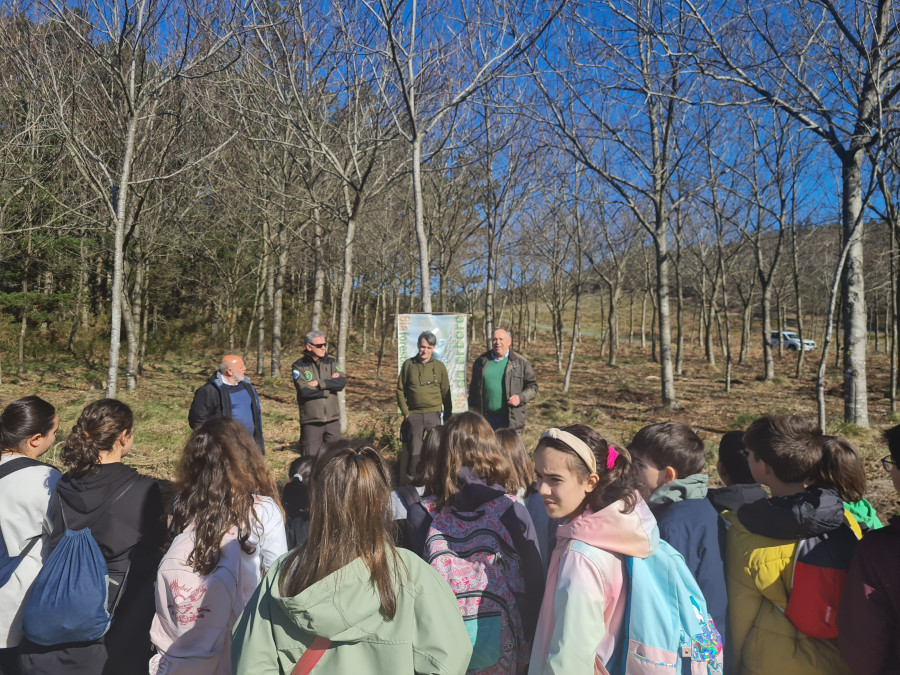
x=611 y=457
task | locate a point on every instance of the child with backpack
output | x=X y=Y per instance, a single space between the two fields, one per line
x=484 y=544
x=349 y=601
x=618 y=599
x=869 y=618
x=27 y=430
x=669 y=459
x=787 y=556
x=295 y=501
x=521 y=468
x=412 y=492
x=734 y=471
x=230 y=531
x=121 y=511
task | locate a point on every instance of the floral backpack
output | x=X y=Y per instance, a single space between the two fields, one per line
x=475 y=554
x=195 y=612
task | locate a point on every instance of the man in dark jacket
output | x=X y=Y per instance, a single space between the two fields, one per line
x=317 y=379
x=502 y=384
x=869 y=616
x=228 y=393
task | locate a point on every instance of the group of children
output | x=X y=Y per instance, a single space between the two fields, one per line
x=487 y=562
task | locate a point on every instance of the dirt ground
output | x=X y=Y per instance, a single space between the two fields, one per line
x=616 y=400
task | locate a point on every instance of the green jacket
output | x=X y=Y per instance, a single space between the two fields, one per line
x=424 y=388
x=427 y=634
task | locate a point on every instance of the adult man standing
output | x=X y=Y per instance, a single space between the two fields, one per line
x=502 y=384
x=423 y=391
x=228 y=393
x=317 y=379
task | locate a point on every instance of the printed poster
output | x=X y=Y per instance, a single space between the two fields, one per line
x=451 y=348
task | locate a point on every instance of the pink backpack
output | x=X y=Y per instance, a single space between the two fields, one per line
x=195 y=612
x=475 y=554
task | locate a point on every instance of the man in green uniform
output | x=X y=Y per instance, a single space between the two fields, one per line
x=423 y=391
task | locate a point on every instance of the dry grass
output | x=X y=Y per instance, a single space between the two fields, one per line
x=618 y=401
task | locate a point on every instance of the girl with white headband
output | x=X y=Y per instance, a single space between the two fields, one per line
x=592 y=485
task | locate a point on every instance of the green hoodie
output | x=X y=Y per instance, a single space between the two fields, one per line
x=427 y=634
x=680 y=489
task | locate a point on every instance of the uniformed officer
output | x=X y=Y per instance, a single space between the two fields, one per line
x=317 y=379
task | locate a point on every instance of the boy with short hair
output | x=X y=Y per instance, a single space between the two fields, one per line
x=762 y=546
x=734 y=471
x=869 y=618
x=670 y=458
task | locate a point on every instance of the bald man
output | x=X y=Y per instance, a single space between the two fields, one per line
x=228 y=393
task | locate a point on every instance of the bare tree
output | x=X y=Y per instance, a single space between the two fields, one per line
x=430 y=58
x=123 y=57
x=790 y=55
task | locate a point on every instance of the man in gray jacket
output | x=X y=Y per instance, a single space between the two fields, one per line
x=317 y=379
x=502 y=384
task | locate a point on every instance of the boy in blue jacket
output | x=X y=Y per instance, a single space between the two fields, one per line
x=670 y=458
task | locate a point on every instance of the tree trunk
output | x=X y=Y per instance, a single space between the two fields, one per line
x=344 y=323
x=319 y=275
x=119 y=225
x=79 y=295
x=421 y=236
x=856 y=406
x=667 y=377
x=261 y=279
x=278 y=300
x=571 y=363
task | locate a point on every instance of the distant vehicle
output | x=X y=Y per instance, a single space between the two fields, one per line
x=791 y=341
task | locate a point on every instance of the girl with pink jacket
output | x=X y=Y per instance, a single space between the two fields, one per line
x=592 y=485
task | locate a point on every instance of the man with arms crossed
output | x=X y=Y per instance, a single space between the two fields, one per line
x=317 y=379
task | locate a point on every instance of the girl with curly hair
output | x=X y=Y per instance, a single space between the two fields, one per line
x=226 y=497
x=130 y=536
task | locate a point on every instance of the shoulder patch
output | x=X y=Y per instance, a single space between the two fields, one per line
x=295 y=374
x=338 y=368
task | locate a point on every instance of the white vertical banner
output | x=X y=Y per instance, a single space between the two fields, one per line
x=451 y=349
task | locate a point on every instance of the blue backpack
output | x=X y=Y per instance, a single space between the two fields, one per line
x=668 y=628
x=68 y=601
x=8 y=563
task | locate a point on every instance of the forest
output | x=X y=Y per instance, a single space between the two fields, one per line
x=706 y=172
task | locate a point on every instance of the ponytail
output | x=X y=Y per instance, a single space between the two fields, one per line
x=97 y=430
x=24 y=418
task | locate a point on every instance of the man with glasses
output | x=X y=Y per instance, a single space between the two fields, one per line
x=228 y=393
x=502 y=384
x=423 y=391
x=317 y=379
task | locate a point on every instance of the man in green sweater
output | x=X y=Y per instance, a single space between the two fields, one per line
x=502 y=384
x=423 y=391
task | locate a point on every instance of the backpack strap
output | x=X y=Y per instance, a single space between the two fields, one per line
x=408 y=495
x=311 y=656
x=617 y=663
x=14 y=465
